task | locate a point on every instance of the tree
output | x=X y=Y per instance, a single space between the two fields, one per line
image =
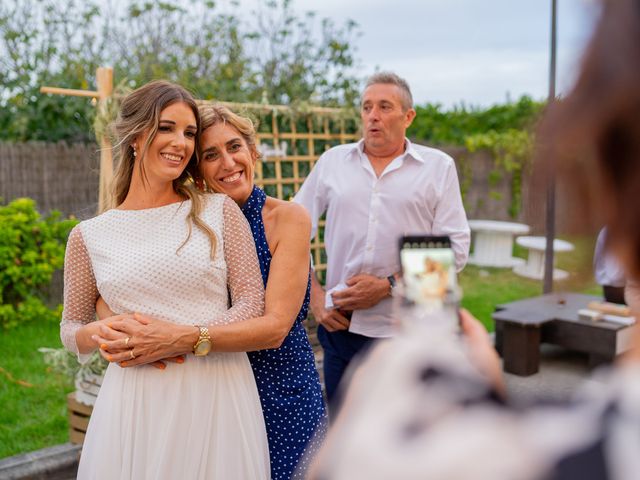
x=297 y=62
x=273 y=54
x=41 y=45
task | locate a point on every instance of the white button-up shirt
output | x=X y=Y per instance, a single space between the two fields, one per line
x=417 y=193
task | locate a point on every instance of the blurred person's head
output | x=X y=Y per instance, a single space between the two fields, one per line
x=386 y=111
x=597 y=126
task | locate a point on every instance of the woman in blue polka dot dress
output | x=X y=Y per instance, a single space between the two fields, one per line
x=282 y=360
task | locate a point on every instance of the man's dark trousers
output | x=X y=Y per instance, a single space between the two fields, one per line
x=339 y=349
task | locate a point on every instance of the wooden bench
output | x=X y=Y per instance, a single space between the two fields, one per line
x=523 y=325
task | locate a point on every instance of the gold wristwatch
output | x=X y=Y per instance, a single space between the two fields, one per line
x=203 y=345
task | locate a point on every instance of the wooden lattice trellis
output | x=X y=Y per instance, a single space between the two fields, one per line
x=307 y=136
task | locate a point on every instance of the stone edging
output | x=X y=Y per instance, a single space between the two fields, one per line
x=59 y=462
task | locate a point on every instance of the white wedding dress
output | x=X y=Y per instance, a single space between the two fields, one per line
x=198 y=420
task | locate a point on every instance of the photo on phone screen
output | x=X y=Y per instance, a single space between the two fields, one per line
x=428 y=268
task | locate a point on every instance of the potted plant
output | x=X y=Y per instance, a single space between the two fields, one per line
x=87 y=379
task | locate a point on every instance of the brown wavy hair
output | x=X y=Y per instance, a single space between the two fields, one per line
x=593 y=135
x=140 y=113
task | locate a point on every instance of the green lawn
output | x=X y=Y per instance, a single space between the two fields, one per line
x=484 y=288
x=33 y=411
x=35 y=416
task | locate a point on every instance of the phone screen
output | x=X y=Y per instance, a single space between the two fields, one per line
x=428 y=269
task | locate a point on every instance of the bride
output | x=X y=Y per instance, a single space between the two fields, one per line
x=168 y=252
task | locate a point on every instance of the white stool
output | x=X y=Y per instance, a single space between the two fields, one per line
x=534 y=268
x=493 y=243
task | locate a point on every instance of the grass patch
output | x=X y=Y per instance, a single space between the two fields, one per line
x=31 y=417
x=483 y=288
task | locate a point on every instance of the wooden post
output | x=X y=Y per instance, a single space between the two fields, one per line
x=104 y=78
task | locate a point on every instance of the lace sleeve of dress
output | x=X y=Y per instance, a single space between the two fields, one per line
x=243 y=271
x=80 y=292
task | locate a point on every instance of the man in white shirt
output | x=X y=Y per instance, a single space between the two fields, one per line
x=373 y=192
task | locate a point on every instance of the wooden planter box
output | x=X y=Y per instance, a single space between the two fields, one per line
x=80 y=405
x=78 y=419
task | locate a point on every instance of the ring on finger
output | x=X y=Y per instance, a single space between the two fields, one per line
x=131 y=354
x=126 y=341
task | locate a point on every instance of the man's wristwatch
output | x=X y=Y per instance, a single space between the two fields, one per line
x=392 y=283
x=203 y=345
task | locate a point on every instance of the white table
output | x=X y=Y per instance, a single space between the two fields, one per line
x=534 y=268
x=493 y=243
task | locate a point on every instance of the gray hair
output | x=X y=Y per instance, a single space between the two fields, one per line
x=393 y=79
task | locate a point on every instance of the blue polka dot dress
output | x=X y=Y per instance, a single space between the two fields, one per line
x=287 y=379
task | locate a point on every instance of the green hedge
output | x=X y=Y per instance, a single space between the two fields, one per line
x=31 y=249
x=505 y=131
x=437 y=126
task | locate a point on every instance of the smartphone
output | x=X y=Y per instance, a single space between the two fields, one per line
x=429 y=278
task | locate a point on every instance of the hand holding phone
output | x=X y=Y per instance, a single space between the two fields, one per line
x=428 y=268
x=429 y=275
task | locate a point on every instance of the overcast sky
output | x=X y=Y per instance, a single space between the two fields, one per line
x=476 y=51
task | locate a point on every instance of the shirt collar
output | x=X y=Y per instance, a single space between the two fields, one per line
x=412 y=152
x=408 y=151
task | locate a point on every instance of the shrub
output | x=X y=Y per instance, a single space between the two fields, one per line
x=31 y=249
x=437 y=126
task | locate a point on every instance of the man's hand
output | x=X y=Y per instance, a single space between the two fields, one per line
x=332 y=320
x=364 y=291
